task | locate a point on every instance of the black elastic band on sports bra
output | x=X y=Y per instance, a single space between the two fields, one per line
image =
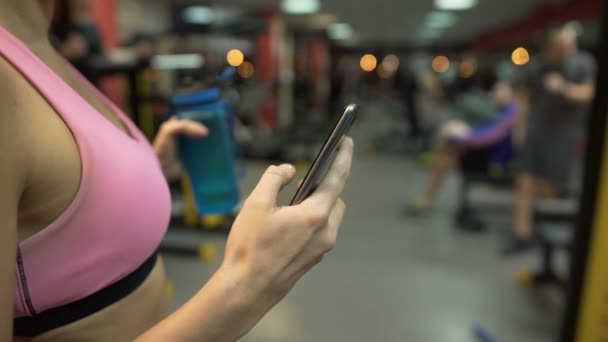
x=56 y=317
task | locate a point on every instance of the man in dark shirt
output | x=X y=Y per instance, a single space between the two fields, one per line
x=555 y=91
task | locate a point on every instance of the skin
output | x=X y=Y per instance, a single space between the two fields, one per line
x=445 y=158
x=528 y=186
x=268 y=250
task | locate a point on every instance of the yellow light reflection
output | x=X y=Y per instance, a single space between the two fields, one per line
x=466 y=69
x=520 y=56
x=368 y=62
x=383 y=72
x=246 y=70
x=440 y=64
x=235 y=57
x=390 y=63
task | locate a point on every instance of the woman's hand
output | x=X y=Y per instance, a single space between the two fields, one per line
x=268 y=250
x=271 y=247
x=164 y=143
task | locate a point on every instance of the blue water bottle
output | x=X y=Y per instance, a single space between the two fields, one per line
x=210 y=161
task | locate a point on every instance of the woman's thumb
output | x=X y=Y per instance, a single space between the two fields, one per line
x=271 y=183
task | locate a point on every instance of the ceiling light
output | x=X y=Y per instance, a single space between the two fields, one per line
x=439 y=19
x=368 y=62
x=300 y=6
x=390 y=63
x=246 y=70
x=520 y=56
x=440 y=64
x=430 y=33
x=199 y=15
x=454 y=5
x=174 y=62
x=235 y=57
x=466 y=69
x=339 y=31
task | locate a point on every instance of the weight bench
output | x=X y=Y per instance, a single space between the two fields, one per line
x=554 y=221
x=552 y=238
x=475 y=168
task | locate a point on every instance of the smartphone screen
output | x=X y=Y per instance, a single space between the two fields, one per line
x=325 y=157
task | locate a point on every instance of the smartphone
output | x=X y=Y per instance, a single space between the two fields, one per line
x=325 y=157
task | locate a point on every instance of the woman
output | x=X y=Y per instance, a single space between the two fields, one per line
x=84 y=206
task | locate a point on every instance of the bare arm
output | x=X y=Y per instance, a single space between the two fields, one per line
x=579 y=92
x=12 y=170
x=223 y=310
x=522 y=101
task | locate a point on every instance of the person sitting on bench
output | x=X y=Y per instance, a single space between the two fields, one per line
x=557 y=88
x=456 y=137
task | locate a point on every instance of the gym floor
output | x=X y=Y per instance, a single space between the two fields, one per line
x=394 y=278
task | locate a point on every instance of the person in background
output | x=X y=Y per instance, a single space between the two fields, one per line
x=456 y=137
x=405 y=81
x=473 y=103
x=75 y=35
x=429 y=99
x=554 y=92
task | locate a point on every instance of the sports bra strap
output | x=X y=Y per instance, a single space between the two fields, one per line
x=54 y=89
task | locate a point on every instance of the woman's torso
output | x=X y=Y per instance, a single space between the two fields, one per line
x=53 y=181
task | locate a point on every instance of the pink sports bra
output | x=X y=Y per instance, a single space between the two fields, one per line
x=118 y=216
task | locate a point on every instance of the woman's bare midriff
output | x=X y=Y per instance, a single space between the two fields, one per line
x=121 y=321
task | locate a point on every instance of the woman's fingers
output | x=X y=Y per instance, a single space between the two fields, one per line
x=335 y=221
x=272 y=182
x=332 y=185
x=187 y=127
x=171 y=128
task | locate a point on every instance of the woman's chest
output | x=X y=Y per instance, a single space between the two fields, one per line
x=76 y=143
